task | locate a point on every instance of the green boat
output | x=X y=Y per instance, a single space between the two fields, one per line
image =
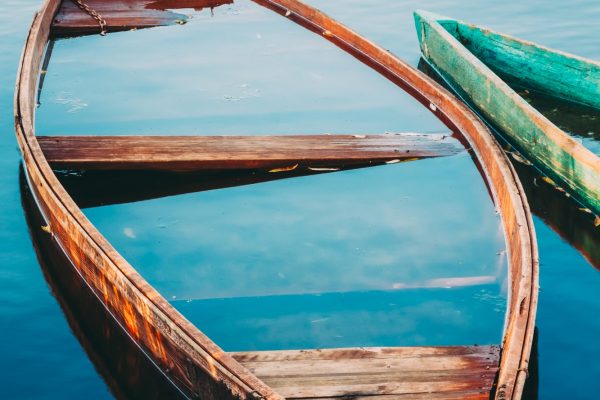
x=472 y=60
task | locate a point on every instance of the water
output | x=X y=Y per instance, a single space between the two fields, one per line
x=172 y=95
x=276 y=242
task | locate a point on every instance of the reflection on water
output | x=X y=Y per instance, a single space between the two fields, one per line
x=414 y=317
x=243 y=70
x=125 y=368
x=280 y=240
x=580 y=121
x=100 y=188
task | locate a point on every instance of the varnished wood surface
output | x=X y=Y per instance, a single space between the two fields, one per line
x=465 y=372
x=119 y=15
x=192 y=361
x=186 y=153
x=124 y=14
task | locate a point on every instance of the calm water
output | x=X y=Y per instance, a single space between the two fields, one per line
x=269 y=249
x=397 y=241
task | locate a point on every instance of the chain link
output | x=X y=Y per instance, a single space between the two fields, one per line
x=92 y=13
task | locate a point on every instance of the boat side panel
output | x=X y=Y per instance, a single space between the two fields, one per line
x=548 y=71
x=559 y=155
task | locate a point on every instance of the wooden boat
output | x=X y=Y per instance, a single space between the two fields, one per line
x=187 y=357
x=471 y=59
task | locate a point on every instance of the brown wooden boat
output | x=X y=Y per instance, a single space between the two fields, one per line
x=180 y=351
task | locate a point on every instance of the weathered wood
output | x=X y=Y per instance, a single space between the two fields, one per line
x=124 y=14
x=190 y=359
x=459 y=371
x=187 y=153
x=467 y=55
x=540 y=68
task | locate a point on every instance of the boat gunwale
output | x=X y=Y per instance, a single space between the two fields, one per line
x=24 y=112
x=588 y=156
x=497 y=172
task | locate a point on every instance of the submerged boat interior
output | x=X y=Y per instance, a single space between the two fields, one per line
x=196 y=345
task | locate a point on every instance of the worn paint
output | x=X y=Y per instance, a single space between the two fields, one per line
x=159 y=329
x=467 y=57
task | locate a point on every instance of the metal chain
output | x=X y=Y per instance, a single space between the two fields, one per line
x=92 y=13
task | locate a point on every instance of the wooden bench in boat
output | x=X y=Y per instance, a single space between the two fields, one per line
x=240 y=152
x=456 y=372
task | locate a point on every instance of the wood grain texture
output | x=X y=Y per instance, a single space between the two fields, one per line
x=124 y=14
x=192 y=153
x=447 y=44
x=403 y=372
x=191 y=360
x=549 y=71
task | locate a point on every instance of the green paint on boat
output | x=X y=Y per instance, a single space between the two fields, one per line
x=470 y=58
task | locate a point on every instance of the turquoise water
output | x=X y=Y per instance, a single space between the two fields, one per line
x=410 y=253
x=366 y=232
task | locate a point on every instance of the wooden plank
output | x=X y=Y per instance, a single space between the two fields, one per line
x=438 y=372
x=276 y=153
x=414 y=396
x=124 y=14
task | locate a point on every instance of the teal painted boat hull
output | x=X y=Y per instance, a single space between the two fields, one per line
x=471 y=58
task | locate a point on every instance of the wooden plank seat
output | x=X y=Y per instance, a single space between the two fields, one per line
x=456 y=372
x=124 y=14
x=276 y=153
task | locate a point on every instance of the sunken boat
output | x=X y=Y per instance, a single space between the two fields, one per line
x=188 y=358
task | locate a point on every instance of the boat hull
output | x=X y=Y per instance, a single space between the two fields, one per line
x=444 y=44
x=195 y=364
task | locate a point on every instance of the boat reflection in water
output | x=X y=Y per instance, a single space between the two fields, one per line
x=128 y=372
x=574 y=223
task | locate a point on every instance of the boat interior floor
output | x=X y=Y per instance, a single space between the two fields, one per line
x=457 y=372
